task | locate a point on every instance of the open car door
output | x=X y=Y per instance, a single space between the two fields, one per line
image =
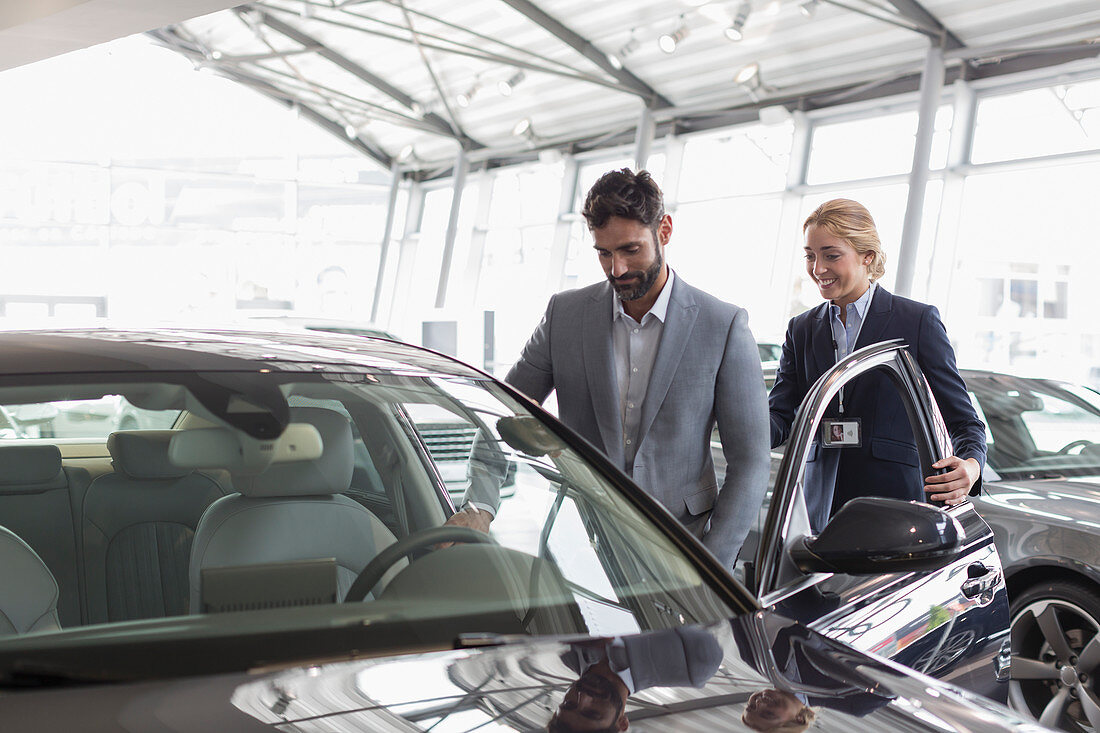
x=916 y=583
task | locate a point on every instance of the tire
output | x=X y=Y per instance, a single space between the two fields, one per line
x=1056 y=654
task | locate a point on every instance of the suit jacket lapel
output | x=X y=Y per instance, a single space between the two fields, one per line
x=599 y=367
x=878 y=316
x=679 y=320
x=824 y=355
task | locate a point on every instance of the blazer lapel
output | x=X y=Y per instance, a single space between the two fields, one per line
x=599 y=367
x=878 y=317
x=679 y=320
x=824 y=356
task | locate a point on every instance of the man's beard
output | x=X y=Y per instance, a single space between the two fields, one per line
x=645 y=281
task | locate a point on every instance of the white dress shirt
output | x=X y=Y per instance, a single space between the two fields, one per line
x=635 y=349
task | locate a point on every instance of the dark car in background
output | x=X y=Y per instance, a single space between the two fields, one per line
x=279 y=558
x=1042 y=498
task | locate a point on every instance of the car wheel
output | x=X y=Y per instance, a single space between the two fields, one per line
x=1056 y=655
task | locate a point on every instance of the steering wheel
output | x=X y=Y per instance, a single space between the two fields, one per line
x=376 y=568
x=1065 y=449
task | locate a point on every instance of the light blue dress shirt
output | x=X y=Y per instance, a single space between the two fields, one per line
x=635 y=349
x=845 y=334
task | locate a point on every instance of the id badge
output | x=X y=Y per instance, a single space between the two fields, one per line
x=841 y=433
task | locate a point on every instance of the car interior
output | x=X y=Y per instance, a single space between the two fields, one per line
x=348 y=503
x=1037 y=427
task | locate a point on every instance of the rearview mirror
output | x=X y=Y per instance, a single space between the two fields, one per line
x=872 y=535
x=527 y=435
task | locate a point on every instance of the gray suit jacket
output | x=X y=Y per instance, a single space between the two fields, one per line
x=707 y=369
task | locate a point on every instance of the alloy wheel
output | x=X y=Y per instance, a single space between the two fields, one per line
x=1055 y=660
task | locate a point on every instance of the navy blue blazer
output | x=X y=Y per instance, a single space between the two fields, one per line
x=886 y=463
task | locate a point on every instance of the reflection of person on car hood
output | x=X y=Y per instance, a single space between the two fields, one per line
x=612 y=669
x=595 y=702
x=777 y=711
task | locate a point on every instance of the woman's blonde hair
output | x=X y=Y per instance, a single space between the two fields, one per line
x=851 y=221
x=806 y=717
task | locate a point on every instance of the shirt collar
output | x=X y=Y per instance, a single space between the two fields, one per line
x=660 y=307
x=860 y=304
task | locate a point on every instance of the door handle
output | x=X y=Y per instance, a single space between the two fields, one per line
x=980 y=580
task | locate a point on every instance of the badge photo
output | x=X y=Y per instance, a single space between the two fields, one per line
x=841 y=433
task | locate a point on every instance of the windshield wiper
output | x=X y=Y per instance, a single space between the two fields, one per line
x=29 y=674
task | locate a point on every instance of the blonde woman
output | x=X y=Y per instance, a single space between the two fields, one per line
x=876 y=454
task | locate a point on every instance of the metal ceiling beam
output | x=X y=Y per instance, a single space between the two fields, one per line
x=353 y=105
x=468 y=31
x=584 y=47
x=669 y=123
x=435 y=121
x=366 y=147
x=453 y=118
x=190 y=49
x=456 y=48
x=917 y=13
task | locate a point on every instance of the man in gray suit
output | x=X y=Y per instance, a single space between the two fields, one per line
x=644 y=365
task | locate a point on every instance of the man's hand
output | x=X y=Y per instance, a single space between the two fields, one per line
x=954 y=486
x=471 y=517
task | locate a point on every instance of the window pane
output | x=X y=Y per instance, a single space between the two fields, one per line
x=713 y=253
x=1033 y=231
x=1059 y=119
x=875 y=146
x=746 y=160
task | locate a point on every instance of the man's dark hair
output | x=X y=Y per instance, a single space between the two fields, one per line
x=625 y=194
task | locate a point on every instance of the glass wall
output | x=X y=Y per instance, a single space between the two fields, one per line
x=139 y=188
x=132 y=199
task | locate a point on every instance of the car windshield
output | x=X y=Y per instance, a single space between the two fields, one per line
x=163 y=506
x=1037 y=427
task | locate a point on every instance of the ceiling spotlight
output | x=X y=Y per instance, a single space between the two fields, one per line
x=669 y=41
x=465 y=98
x=735 y=31
x=748 y=73
x=749 y=78
x=407 y=153
x=506 y=86
x=808 y=7
x=350 y=131
x=614 y=61
x=522 y=128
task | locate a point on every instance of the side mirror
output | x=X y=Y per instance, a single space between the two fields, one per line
x=872 y=535
x=527 y=435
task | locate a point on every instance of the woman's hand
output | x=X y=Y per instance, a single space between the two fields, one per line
x=954 y=486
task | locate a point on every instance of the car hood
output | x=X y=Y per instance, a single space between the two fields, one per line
x=683 y=679
x=1078 y=498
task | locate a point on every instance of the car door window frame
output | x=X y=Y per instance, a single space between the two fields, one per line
x=787 y=517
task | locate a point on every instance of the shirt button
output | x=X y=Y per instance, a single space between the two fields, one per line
x=635 y=370
x=630 y=405
x=635 y=330
x=628 y=441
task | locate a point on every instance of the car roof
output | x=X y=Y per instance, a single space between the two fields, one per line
x=118 y=350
